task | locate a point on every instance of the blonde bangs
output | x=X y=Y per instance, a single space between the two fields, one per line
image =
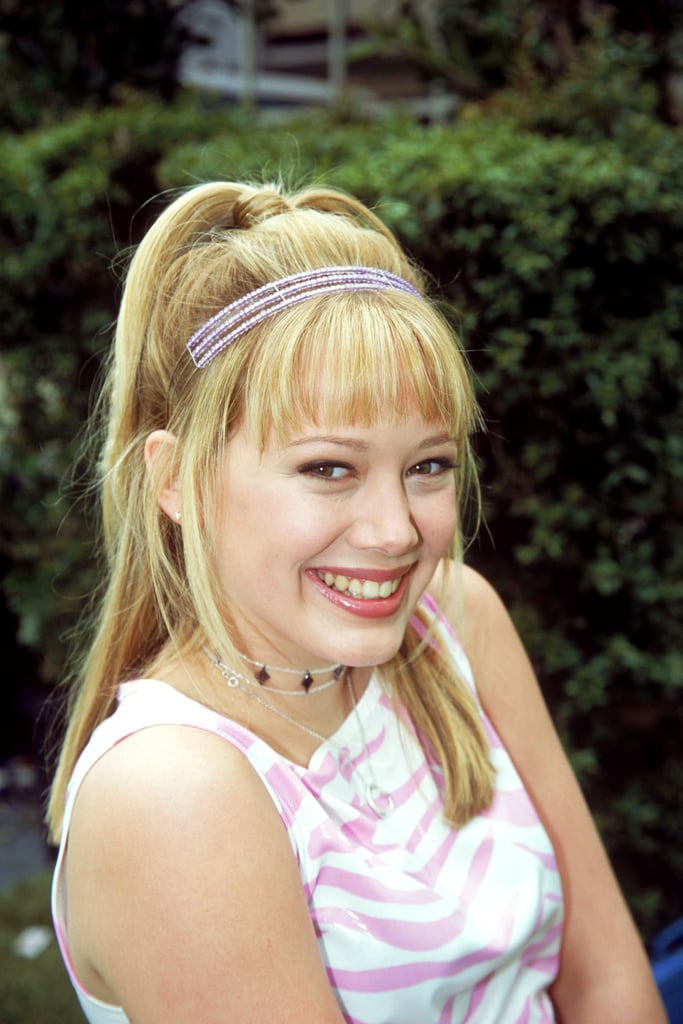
x=354 y=358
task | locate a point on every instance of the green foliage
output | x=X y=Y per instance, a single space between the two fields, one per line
x=73 y=200
x=561 y=251
x=54 y=53
x=32 y=990
x=613 y=85
x=477 y=47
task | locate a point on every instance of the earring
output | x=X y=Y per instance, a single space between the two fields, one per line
x=177 y=516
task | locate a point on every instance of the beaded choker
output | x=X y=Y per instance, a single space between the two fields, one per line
x=258 y=305
x=380 y=803
x=306 y=680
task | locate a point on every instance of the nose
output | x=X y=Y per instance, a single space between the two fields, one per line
x=384 y=521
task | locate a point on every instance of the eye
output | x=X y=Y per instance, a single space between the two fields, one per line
x=432 y=467
x=325 y=470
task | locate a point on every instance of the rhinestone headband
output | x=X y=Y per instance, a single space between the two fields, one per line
x=251 y=309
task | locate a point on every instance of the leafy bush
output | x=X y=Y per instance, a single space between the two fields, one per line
x=598 y=51
x=55 y=52
x=561 y=255
x=36 y=990
x=71 y=194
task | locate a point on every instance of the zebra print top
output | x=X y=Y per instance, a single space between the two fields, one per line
x=416 y=921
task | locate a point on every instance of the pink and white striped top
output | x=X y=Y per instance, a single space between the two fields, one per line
x=417 y=922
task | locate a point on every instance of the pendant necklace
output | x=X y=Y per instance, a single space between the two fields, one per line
x=381 y=803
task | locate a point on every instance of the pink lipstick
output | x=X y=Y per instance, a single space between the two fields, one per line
x=358 y=591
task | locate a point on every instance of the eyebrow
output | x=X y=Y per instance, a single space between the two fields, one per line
x=363 y=446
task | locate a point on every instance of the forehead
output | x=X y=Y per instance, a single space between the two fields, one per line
x=386 y=438
x=361 y=434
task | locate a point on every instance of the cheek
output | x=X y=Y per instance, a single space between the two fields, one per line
x=447 y=529
x=311 y=525
x=438 y=529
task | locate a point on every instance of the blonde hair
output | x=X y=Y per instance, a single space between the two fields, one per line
x=383 y=350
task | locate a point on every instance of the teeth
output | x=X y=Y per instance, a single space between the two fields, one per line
x=365 y=589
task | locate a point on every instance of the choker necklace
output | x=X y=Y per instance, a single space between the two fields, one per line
x=381 y=803
x=263 y=676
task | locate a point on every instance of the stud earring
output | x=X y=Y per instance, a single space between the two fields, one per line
x=177 y=516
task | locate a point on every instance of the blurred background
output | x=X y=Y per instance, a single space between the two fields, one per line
x=529 y=155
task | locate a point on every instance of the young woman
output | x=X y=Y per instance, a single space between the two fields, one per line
x=308 y=774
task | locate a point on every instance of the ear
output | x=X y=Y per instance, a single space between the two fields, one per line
x=161 y=459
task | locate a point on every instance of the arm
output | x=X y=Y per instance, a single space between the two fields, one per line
x=185 y=902
x=604 y=973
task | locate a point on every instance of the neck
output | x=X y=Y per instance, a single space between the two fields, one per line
x=295 y=729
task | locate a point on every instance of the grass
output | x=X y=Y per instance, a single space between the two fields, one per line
x=32 y=991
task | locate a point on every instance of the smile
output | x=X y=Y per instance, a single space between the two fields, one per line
x=366 y=590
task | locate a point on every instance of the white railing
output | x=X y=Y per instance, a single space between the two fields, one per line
x=231 y=56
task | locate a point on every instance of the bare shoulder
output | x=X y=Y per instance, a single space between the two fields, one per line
x=161 y=786
x=179 y=871
x=604 y=973
x=505 y=680
x=469 y=601
x=152 y=811
x=166 y=763
x=481 y=602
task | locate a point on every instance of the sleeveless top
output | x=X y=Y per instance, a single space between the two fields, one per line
x=417 y=922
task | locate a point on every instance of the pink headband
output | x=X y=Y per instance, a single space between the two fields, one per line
x=251 y=309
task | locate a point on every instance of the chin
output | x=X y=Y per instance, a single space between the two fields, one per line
x=370 y=655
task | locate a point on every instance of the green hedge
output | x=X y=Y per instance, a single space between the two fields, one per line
x=561 y=254
x=32 y=990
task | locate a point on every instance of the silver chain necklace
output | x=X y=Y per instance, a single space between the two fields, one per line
x=381 y=803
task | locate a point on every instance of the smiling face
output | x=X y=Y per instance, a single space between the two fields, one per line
x=326 y=541
x=313 y=471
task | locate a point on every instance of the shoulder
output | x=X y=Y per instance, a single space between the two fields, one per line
x=178 y=867
x=158 y=797
x=470 y=604
x=165 y=786
x=506 y=683
x=604 y=974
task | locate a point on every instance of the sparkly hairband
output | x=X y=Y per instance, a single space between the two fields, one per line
x=251 y=309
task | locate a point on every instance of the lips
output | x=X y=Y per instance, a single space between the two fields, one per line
x=361 y=593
